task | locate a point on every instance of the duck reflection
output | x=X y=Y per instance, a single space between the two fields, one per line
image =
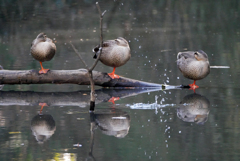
x=113 y=123
x=43 y=127
x=194 y=108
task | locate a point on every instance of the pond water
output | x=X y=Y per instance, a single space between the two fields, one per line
x=148 y=124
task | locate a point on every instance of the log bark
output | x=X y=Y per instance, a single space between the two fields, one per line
x=79 y=77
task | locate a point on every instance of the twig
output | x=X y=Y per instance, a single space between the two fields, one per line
x=101 y=36
x=79 y=55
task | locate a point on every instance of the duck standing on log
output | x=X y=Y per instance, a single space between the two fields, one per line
x=43 y=49
x=115 y=53
x=193 y=65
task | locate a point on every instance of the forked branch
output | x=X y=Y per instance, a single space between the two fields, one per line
x=101 y=36
x=90 y=74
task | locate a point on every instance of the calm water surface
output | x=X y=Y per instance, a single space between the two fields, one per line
x=143 y=124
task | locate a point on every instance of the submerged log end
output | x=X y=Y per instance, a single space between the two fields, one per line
x=104 y=80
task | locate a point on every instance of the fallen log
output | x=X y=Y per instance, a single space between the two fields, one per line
x=79 y=77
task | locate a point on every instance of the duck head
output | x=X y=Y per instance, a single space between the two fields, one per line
x=201 y=55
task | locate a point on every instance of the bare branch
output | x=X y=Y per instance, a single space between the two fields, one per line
x=103 y=13
x=90 y=73
x=101 y=36
x=79 y=55
x=99 y=9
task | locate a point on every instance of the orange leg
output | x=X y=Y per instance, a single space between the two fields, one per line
x=43 y=71
x=113 y=99
x=42 y=104
x=193 y=86
x=113 y=75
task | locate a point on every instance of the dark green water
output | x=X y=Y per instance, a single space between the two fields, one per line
x=153 y=125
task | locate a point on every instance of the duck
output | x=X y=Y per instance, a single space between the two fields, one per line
x=193 y=65
x=115 y=53
x=43 y=49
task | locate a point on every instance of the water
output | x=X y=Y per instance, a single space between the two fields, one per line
x=142 y=125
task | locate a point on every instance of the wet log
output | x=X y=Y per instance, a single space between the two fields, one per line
x=79 y=77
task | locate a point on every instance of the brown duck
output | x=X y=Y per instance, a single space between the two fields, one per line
x=115 y=53
x=43 y=49
x=193 y=65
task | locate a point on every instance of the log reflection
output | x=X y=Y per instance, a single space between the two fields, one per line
x=194 y=108
x=79 y=98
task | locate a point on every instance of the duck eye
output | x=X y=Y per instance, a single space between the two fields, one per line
x=196 y=54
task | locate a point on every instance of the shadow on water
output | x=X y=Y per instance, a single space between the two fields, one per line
x=111 y=122
x=85 y=135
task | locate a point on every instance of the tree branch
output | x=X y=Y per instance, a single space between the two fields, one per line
x=101 y=36
x=90 y=74
x=79 y=55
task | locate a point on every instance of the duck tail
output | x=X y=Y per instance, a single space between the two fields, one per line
x=96 y=51
x=95 y=56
